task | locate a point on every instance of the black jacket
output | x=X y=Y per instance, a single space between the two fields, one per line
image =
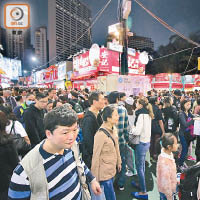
x=8 y=161
x=170 y=119
x=155 y=126
x=34 y=125
x=183 y=122
x=89 y=126
x=177 y=103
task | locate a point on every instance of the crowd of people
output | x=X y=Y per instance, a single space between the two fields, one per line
x=55 y=143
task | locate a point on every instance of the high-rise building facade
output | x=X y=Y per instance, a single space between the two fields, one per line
x=67 y=21
x=16 y=42
x=41 y=45
x=3 y=41
x=139 y=42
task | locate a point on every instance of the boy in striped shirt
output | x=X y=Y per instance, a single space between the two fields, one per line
x=49 y=170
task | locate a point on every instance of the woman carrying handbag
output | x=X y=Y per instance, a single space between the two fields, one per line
x=106 y=155
x=142 y=128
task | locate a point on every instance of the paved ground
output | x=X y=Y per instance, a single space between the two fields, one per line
x=150 y=180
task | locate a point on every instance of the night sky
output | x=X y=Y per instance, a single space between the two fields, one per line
x=182 y=15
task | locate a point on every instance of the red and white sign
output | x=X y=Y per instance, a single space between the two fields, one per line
x=108 y=63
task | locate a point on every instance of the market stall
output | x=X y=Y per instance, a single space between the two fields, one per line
x=87 y=69
x=165 y=81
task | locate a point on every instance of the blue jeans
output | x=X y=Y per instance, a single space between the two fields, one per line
x=184 y=151
x=108 y=189
x=140 y=155
x=162 y=196
x=97 y=197
x=121 y=177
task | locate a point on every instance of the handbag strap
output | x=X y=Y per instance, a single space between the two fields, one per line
x=80 y=168
x=108 y=134
x=13 y=128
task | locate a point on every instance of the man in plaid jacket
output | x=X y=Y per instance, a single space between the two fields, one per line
x=122 y=126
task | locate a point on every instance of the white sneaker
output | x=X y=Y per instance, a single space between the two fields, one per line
x=129 y=173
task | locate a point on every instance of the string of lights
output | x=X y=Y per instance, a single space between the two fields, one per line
x=167 y=26
x=171 y=54
x=189 y=60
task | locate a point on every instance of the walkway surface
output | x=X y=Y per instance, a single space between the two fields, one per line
x=150 y=181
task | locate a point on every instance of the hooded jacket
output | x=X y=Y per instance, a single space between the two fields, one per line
x=33 y=118
x=90 y=125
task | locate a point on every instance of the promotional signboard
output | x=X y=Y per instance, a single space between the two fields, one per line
x=131 y=85
x=189 y=81
x=82 y=65
x=167 y=81
x=11 y=67
x=109 y=62
x=51 y=73
x=62 y=70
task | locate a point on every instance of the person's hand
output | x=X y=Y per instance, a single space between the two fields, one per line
x=119 y=167
x=96 y=187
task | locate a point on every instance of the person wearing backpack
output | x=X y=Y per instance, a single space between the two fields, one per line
x=166 y=167
x=106 y=155
x=76 y=105
x=170 y=116
x=189 y=183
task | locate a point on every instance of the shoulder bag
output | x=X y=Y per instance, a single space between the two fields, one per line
x=84 y=187
x=133 y=138
x=21 y=145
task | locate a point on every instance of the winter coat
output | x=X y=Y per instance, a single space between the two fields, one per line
x=106 y=154
x=89 y=126
x=34 y=125
x=166 y=174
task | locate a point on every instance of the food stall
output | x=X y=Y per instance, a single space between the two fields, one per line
x=165 y=81
x=87 y=70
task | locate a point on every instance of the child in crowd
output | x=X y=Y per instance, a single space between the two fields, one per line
x=166 y=167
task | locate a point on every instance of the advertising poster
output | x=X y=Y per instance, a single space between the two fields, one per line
x=12 y=67
x=62 y=70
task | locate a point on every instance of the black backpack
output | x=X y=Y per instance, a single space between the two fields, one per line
x=79 y=110
x=189 y=181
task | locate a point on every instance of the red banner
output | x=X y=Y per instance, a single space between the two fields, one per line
x=108 y=63
x=51 y=73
